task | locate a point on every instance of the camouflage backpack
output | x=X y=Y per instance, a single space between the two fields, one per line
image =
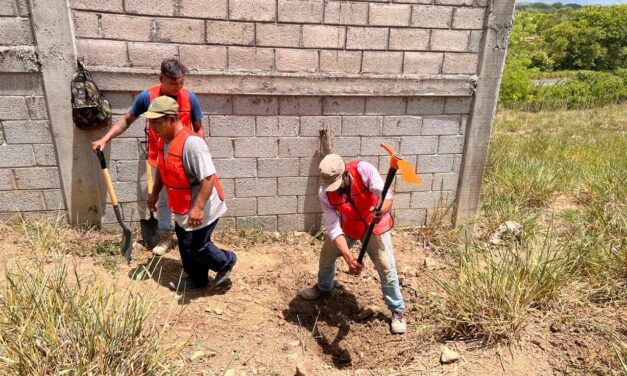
x=90 y=109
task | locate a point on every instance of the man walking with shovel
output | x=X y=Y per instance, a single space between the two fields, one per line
x=348 y=195
x=171 y=80
x=195 y=196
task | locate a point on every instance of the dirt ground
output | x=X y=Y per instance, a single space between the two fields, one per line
x=257 y=325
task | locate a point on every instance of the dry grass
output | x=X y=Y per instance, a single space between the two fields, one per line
x=534 y=159
x=53 y=322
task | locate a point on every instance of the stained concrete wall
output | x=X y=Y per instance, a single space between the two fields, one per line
x=29 y=176
x=270 y=74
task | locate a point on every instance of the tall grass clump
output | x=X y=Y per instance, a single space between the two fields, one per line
x=493 y=291
x=47 y=234
x=52 y=322
x=603 y=259
x=562 y=174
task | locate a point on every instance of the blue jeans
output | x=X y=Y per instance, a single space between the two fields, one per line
x=382 y=255
x=164 y=215
x=199 y=254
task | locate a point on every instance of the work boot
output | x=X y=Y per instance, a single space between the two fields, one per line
x=182 y=284
x=313 y=293
x=166 y=241
x=221 y=277
x=398 y=325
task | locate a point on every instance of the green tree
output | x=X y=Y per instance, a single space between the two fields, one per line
x=613 y=22
x=516 y=85
x=575 y=45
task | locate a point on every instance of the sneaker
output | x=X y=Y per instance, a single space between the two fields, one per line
x=166 y=241
x=398 y=325
x=182 y=284
x=221 y=277
x=313 y=293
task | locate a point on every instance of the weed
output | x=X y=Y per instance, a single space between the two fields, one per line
x=253 y=236
x=110 y=263
x=493 y=291
x=45 y=233
x=108 y=248
x=52 y=323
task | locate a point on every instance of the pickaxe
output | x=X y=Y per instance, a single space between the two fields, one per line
x=409 y=176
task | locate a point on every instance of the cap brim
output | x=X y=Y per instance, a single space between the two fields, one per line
x=152 y=115
x=334 y=186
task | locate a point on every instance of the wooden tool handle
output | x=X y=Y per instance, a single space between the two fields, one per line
x=149 y=177
x=107 y=177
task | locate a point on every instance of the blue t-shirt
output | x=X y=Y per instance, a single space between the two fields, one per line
x=143 y=101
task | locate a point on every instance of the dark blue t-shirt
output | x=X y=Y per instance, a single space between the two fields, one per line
x=143 y=101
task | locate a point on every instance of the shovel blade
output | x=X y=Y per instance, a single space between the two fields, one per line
x=149 y=229
x=126 y=247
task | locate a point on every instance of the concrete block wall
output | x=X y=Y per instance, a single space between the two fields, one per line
x=419 y=75
x=29 y=176
x=266 y=151
x=375 y=37
x=266 y=146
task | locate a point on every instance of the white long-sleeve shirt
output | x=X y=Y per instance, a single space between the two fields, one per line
x=371 y=178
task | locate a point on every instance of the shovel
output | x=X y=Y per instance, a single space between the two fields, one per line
x=149 y=226
x=409 y=176
x=126 y=247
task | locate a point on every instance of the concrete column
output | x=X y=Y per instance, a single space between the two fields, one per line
x=494 y=49
x=80 y=175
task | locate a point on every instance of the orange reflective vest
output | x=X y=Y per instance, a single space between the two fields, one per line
x=185 y=107
x=174 y=177
x=355 y=212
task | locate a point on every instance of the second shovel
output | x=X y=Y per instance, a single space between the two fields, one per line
x=149 y=226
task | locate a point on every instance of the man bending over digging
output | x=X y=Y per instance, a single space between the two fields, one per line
x=195 y=196
x=348 y=195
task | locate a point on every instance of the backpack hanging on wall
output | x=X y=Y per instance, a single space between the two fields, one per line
x=90 y=109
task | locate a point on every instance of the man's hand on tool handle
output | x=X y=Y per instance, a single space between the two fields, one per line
x=152 y=202
x=98 y=144
x=355 y=267
x=377 y=215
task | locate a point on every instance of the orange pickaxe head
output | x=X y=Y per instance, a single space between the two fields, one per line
x=407 y=171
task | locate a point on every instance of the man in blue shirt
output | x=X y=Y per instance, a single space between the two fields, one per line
x=171 y=80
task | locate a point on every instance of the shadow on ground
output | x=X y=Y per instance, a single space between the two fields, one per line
x=164 y=270
x=329 y=315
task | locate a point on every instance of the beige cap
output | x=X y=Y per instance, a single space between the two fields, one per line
x=161 y=106
x=331 y=169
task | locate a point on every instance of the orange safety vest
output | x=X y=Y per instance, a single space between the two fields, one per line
x=174 y=177
x=185 y=106
x=355 y=213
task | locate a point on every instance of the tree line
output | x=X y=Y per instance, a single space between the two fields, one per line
x=585 y=48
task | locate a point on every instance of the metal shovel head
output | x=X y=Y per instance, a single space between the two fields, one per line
x=126 y=246
x=149 y=229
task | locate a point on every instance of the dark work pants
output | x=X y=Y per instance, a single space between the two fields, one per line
x=199 y=254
